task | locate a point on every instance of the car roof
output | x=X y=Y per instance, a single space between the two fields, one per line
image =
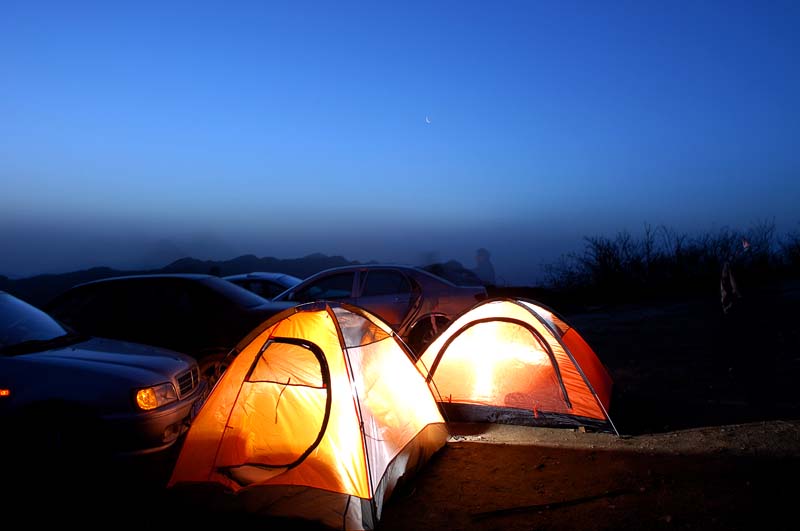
x=361 y=267
x=259 y=274
x=353 y=267
x=188 y=276
x=220 y=285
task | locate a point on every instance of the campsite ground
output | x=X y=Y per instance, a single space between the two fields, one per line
x=710 y=439
x=708 y=418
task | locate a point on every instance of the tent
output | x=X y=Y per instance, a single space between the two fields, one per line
x=514 y=361
x=320 y=415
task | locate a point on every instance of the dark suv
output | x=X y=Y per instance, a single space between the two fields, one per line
x=200 y=315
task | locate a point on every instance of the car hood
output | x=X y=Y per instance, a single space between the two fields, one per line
x=107 y=352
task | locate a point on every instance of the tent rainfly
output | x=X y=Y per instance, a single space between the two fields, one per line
x=514 y=361
x=320 y=416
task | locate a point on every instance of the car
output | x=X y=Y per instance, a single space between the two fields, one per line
x=417 y=304
x=60 y=389
x=455 y=273
x=263 y=283
x=203 y=316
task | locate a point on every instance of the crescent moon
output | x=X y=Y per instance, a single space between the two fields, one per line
x=427 y=120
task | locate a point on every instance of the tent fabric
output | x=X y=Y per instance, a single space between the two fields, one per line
x=584 y=356
x=516 y=361
x=319 y=416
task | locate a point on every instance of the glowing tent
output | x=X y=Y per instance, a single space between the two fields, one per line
x=516 y=362
x=319 y=416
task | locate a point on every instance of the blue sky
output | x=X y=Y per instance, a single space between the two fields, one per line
x=283 y=129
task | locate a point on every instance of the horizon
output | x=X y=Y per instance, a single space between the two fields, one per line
x=171 y=252
x=412 y=134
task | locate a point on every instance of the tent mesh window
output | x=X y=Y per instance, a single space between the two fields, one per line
x=288 y=390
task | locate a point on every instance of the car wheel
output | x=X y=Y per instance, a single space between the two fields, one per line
x=212 y=366
x=424 y=333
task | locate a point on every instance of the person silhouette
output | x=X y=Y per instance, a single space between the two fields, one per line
x=730 y=293
x=484 y=268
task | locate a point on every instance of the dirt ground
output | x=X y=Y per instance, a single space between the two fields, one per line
x=709 y=436
x=511 y=478
x=709 y=439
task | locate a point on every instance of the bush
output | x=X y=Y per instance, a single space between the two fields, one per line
x=664 y=262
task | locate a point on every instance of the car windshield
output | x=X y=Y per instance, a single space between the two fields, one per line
x=21 y=323
x=284 y=295
x=237 y=294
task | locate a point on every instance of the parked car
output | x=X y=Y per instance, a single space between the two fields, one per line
x=415 y=303
x=200 y=315
x=455 y=273
x=62 y=390
x=263 y=283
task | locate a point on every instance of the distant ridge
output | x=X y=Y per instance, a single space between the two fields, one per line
x=40 y=289
x=298 y=267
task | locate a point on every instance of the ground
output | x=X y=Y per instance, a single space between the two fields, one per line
x=709 y=438
x=732 y=477
x=708 y=423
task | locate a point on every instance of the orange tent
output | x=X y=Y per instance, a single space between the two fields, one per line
x=319 y=416
x=517 y=362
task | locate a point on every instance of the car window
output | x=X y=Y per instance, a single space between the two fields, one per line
x=70 y=303
x=19 y=322
x=236 y=294
x=114 y=309
x=189 y=300
x=141 y=300
x=91 y=309
x=331 y=287
x=385 y=283
x=269 y=289
x=173 y=300
x=263 y=288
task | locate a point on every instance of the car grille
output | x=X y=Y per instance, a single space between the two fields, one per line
x=188 y=381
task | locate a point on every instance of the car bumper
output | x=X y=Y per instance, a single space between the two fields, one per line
x=153 y=431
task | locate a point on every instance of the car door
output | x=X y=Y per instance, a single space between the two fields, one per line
x=387 y=293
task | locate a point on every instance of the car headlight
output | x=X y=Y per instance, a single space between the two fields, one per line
x=156 y=396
